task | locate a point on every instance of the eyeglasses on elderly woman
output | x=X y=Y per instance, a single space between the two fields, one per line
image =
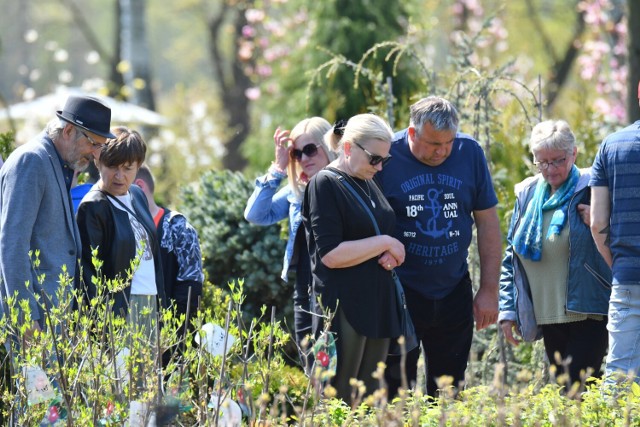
x=543 y=166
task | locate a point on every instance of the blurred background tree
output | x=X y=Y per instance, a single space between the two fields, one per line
x=229 y=71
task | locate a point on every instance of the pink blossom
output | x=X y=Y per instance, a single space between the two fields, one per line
x=254 y=15
x=248 y=31
x=593 y=13
x=588 y=67
x=245 y=52
x=275 y=52
x=497 y=29
x=253 y=93
x=264 y=70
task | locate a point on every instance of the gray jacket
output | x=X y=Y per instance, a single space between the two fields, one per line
x=35 y=214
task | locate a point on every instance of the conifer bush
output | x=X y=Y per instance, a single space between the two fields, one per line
x=233 y=248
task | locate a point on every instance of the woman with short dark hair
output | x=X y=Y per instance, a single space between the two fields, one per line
x=114 y=219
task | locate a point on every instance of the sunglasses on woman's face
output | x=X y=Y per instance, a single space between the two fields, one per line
x=309 y=150
x=374 y=159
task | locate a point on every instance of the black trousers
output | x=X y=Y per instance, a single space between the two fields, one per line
x=358 y=357
x=301 y=263
x=302 y=297
x=585 y=342
x=445 y=329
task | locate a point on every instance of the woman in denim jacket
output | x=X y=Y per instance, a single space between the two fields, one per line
x=554 y=284
x=302 y=153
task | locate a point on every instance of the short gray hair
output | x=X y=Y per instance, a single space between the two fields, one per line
x=441 y=113
x=552 y=135
x=54 y=128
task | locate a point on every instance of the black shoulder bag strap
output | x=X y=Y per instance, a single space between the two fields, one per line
x=122 y=205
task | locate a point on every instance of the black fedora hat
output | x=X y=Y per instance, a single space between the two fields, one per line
x=87 y=113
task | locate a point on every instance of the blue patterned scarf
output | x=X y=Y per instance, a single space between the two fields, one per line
x=528 y=238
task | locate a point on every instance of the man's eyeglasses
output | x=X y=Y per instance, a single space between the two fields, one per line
x=374 y=159
x=309 y=150
x=91 y=140
x=543 y=166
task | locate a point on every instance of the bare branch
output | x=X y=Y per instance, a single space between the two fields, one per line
x=86 y=30
x=537 y=24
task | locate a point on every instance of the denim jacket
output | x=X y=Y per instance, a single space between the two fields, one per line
x=268 y=206
x=589 y=277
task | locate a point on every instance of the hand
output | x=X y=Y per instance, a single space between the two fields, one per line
x=387 y=261
x=508 y=327
x=281 y=139
x=585 y=213
x=395 y=250
x=485 y=307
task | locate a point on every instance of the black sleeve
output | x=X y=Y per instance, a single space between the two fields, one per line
x=94 y=223
x=322 y=208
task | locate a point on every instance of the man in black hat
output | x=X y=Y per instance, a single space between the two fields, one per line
x=36 y=212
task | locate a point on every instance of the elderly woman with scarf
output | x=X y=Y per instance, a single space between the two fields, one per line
x=554 y=284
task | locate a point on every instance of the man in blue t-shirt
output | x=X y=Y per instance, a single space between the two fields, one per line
x=438 y=184
x=615 y=226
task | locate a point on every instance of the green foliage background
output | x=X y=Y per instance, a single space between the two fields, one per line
x=232 y=247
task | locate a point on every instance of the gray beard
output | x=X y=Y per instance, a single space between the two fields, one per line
x=79 y=165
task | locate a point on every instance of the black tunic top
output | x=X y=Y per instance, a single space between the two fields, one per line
x=332 y=215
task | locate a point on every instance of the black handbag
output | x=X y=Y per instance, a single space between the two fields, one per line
x=406 y=325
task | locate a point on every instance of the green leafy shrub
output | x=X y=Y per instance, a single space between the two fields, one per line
x=95 y=385
x=232 y=247
x=6 y=144
x=80 y=357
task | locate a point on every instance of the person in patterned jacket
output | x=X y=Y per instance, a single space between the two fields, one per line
x=180 y=252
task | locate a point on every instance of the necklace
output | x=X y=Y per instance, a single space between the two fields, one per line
x=367 y=193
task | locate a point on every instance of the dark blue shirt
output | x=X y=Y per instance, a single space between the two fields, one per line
x=617 y=166
x=433 y=206
x=67 y=171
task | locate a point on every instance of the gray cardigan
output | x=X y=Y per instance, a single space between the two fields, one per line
x=35 y=214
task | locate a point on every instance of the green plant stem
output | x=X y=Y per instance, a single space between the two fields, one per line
x=61 y=375
x=222 y=367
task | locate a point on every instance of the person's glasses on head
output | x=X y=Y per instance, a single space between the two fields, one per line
x=543 y=166
x=94 y=143
x=374 y=159
x=309 y=150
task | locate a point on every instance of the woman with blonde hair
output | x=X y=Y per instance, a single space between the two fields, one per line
x=302 y=153
x=352 y=264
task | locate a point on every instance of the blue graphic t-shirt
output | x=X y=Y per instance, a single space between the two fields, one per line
x=433 y=207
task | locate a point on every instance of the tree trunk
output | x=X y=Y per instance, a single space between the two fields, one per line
x=136 y=52
x=116 y=80
x=228 y=70
x=633 y=22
